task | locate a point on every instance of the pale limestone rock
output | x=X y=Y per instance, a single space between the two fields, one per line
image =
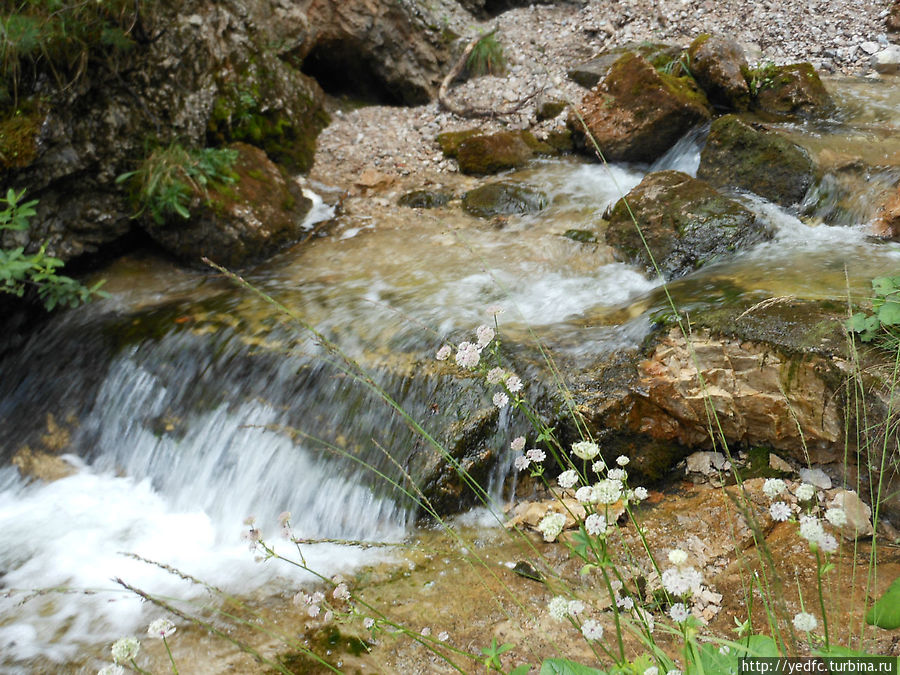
x=859 y=515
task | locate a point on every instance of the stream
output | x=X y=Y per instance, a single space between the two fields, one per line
x=182 y=404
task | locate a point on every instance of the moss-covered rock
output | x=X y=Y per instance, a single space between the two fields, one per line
x=492 y=153
x=271 y=106
x=449 y=141
x=684 y=222
x=589 y=73
x=718 y=65
x=547 y=109
x=424 y=199
x=637 y=113
x=739 y=155
x=19 y=130
x=502 y=198
x=241 y=222
x=794 y=89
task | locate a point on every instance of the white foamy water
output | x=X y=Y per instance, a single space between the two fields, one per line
x=179 y=499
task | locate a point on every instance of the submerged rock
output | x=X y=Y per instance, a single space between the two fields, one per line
x=235 y=224
x=741 y=156
x=684 y=221
x=502 y=198
x=424 y=199
x=637 y=113
x=718 y=65
x=794 y=89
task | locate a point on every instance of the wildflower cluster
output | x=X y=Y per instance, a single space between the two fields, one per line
x=811 y=526
x=125 y=650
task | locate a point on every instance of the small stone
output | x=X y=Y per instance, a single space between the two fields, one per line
x=195 y=20
x=816 y=477
x=870 y=47
x=707 y=463
x=859 y=515
x=887 y=60
x=775 y=462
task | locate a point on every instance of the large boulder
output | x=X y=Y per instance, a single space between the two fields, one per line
x=238 y=223
x=741 y=156
x=185 y=62
x=684 y=222
x=637 y=113
x=589 y=73
x=718 y=65
x=794 y=89
x=492 y=153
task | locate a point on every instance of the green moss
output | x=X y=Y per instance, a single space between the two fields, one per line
x=329 y=644
x=449 y=141
x=19 y=130
x=757 y=465
x=581 y=236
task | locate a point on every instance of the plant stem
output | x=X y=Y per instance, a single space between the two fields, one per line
x=171 y=658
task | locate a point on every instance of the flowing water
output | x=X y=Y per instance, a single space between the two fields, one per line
x=183 y=404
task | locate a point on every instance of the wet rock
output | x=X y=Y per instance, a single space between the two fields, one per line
x=589 y=73
x=42 y=466
x=449 y=141
x=741 y=156
x=637 y=113
x=547 y=109
x=492 y=153
x=684 y=221
x=887 y=222
x=718 y=65
x=424 y=199
x=794 y=89
x=887 y=60
x=234 y=224
x=502 y=198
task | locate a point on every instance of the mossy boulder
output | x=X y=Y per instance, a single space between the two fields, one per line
x=718 y=65
x=685 y=222
x=275 y=108
x=424 y=199
x=794 y=89
x=637 y=113
x=742 y=156
x=234 y=224
x=492 y=153
x=502 y=199
x=549 y=108
x=589 y=73
x=449 y=141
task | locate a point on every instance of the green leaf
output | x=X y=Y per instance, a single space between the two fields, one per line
x=885 y=613
x=889 y=313
x=566 y=667
x=885 y=285
x=524 y=669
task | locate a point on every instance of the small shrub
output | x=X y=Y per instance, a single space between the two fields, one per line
x=486 y=57
x=882 y=324
x=167 y=180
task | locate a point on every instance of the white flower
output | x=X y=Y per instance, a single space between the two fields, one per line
x=341 y=592
x=494 y=310
x=514 y=383
x=805 y=492
x=485 y=334
x=645 y=618
x=585 y=494
x=467 y=355
x=617 y=474
x=518 y=444
x=828 y=543
x=567 y=478
x=679 y=612
x=640 y=493
x=677 y=557
x=780 y=511
x=443 y=636
x=622 y=460
x=811 y=529
x=773 y=487
x=558 y=607
x=368 y=622
x=595 y=524
x=521 y=463
x=575 y=607
x=284 y=518
x=551 y=525
x=111 y=670
x=592 y=630
x=161 y=628
x=599 y=466
x=536 y=455
x=674 y=672
x=607 y=491
x=805 y=622
x=313 y=610
x=680 y=581
x=125 y=649
x=652 y=670
x=317 y=597
x=586 y=449
x=443 y=353
x=425 y=631
x=625 y=603
x=836 y=516
x=495 y=375
x=500 y=399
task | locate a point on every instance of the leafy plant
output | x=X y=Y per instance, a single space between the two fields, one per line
x=19 y=272
x=487 y=56
x=167 y=180
x=883 y=321
x=761 y=77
